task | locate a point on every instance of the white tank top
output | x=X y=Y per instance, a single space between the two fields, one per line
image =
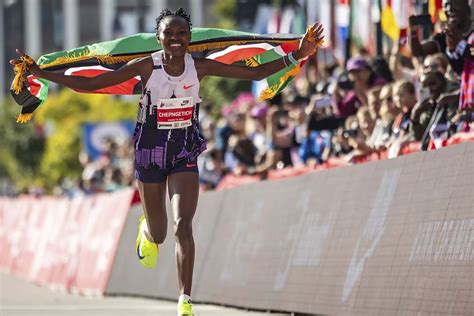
x=163 y=86
x=166 y=148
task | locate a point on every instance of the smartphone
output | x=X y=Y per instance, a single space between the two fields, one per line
x=281 y=113
x=423 y=19
x=346 y=85
x=322 y=102
x=350 y=133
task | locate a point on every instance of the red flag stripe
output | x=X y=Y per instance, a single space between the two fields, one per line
x=34 y=85
x=242 y=52
x=125 y=87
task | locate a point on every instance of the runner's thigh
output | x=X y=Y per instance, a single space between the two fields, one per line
x=153 y=196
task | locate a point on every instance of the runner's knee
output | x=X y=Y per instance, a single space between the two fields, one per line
x=183 y=228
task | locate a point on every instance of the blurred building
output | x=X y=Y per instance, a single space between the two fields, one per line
x=42 y=26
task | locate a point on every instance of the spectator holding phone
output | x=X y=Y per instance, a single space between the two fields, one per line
x=319 y=114
x=454 y=41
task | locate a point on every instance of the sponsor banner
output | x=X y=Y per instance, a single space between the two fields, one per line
x=60 y=242
x=97 y=135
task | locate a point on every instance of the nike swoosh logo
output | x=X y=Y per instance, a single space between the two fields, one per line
x=187 y=87
x=190 y=165
x=138 y=249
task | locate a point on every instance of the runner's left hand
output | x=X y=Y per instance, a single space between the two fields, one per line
x=308 y=44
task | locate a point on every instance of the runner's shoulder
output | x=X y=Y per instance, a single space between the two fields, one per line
x=142 y=66
x=198 y=60
x=201 y=64
x=146 y=62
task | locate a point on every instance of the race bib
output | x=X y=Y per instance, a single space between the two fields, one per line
x=174 y=113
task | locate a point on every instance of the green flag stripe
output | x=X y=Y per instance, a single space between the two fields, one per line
x=146 y=42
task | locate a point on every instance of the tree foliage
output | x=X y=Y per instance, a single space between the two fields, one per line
x=217 y=90
x=21 y=146
x=45 y=151
x=225 y=11
x=63 y=116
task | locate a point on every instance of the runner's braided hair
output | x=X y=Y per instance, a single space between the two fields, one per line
x=179 y=13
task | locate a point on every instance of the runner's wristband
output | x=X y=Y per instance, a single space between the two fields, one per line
x=292 y=59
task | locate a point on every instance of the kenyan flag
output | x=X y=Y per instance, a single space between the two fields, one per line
x=92 y=60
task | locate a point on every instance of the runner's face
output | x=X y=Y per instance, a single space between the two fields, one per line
x=174 y=35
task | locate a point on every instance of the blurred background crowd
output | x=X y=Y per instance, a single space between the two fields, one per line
x=400 y=83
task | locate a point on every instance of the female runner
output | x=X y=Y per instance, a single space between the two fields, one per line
x=167 y=138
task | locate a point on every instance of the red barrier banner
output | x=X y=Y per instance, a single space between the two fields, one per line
x=232 y=181
x=461 y=138
x=61 y=242
x=289 y=172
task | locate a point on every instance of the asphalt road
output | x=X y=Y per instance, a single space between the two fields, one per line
x=21 y=298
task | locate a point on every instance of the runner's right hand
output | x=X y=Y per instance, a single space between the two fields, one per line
x=34 y=69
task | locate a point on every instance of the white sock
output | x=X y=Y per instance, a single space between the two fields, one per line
x=184 y=297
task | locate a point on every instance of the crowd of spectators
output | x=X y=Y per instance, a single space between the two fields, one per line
x=421 y=93
x=111 y=171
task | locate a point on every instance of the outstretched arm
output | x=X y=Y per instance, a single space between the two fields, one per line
x=418 y=48
x=422 y=49
x=132 y=69
x=308 y=44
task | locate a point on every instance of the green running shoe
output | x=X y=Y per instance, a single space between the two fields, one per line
x=185 y=308
x=147 y=251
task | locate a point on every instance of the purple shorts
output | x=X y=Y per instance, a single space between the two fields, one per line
x=159 y=153
x=156 y=175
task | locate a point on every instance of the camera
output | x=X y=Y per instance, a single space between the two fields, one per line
x=423 y=19
x=350 y=133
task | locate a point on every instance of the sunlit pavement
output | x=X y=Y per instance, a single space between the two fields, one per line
x=21 y=298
